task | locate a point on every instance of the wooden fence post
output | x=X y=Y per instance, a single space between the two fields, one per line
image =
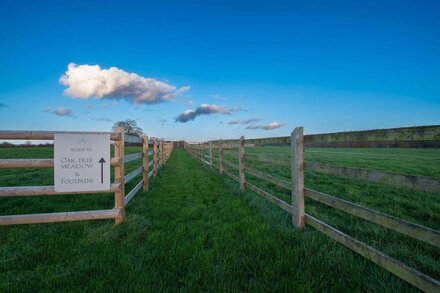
x=145 y=163
x=297 y=174
x=200 y=151
x=155 y=157
x=220 y=156
x=241 y=164
x=161 y=153
x=203 y=153
x=165 y=152
x=119 y=176
x=158 y=154
x=210 y=154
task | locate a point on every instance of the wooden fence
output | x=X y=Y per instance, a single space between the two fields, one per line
x=412 y=137
x=160 y=152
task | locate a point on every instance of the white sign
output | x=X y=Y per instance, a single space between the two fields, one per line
x=81 y=162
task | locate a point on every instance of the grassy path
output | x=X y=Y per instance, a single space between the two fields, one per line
x=194 y=231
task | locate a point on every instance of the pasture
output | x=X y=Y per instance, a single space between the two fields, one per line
x=199 y=228
x=414 y=206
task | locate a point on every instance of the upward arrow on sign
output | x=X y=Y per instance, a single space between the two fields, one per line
x=102 y=161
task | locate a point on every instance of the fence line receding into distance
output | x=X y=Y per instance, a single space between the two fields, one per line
x=117 y=187
x=410 y=137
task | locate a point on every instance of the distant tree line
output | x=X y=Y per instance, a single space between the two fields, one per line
x=27 y=144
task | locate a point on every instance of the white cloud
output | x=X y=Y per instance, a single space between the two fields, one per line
x=103 y=119
x=86 y=81
x=60 y=112
x=182 y=90
x=270 y=126
x=245 y=122
x=234 y=122
x=188 y=102
x=204 y=109
x=218 y=97
x=162 y=121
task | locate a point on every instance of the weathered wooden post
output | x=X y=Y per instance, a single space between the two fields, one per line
x=160 y=153
x=155 y=156
x=119 y=175
x=145 y=163
x=220 y=157
x=165 y=152
x=171 y=149
x=241 y=164
x=297 y=174
x=210 y=154
x=203 y=153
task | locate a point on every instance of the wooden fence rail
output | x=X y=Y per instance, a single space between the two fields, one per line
x=415 y=231
x=421 y=183
x=268 y=159
x=426 y=136
x=48 y=190
x=118 y=187
x=410 y=275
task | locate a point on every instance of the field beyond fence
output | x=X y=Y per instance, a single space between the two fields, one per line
x=376 y=164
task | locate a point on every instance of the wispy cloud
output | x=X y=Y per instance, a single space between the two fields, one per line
x=185 y=99
x=162 y=122
x=86 y=81
x=218 y=97
x=270 y=126
x=234 y=122
x=245 y=122
x=204 y=109
x=103 y=119
x=61 y=111
x=188 y=102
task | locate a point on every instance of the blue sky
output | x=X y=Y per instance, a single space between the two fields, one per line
x=325 y=65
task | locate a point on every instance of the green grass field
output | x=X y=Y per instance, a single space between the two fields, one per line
x=414 y=206
x=196 y=231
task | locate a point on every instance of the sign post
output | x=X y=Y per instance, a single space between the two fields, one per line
x=81 y=162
